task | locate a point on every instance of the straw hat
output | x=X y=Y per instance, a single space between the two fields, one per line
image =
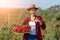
x=32 y=6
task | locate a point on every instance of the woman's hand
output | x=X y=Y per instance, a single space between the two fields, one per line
x=17 y=33
x=43 y=34
x=37 y=20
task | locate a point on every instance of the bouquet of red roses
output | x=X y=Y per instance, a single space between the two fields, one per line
x=21 y=29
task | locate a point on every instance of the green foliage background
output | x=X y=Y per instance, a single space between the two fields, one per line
x=48 y=16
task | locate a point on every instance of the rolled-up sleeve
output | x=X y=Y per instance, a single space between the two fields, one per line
x=43 y=26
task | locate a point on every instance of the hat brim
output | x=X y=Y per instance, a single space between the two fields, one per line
x=32 y=8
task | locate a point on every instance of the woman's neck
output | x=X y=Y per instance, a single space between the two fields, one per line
x=33 y=17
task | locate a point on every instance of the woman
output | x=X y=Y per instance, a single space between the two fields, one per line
x=36 y=23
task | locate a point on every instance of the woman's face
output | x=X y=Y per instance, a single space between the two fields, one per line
x=32 y=11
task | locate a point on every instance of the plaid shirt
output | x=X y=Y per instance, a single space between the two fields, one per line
x=38 y=27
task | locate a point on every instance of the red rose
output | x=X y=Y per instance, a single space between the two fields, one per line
x=14 y=29
x=29 y=28
x=19 y=29
x=24 y=28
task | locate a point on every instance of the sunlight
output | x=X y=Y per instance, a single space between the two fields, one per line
x=11 y=3
x=6 y=5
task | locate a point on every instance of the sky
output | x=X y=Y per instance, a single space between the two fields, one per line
x=25 y=3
